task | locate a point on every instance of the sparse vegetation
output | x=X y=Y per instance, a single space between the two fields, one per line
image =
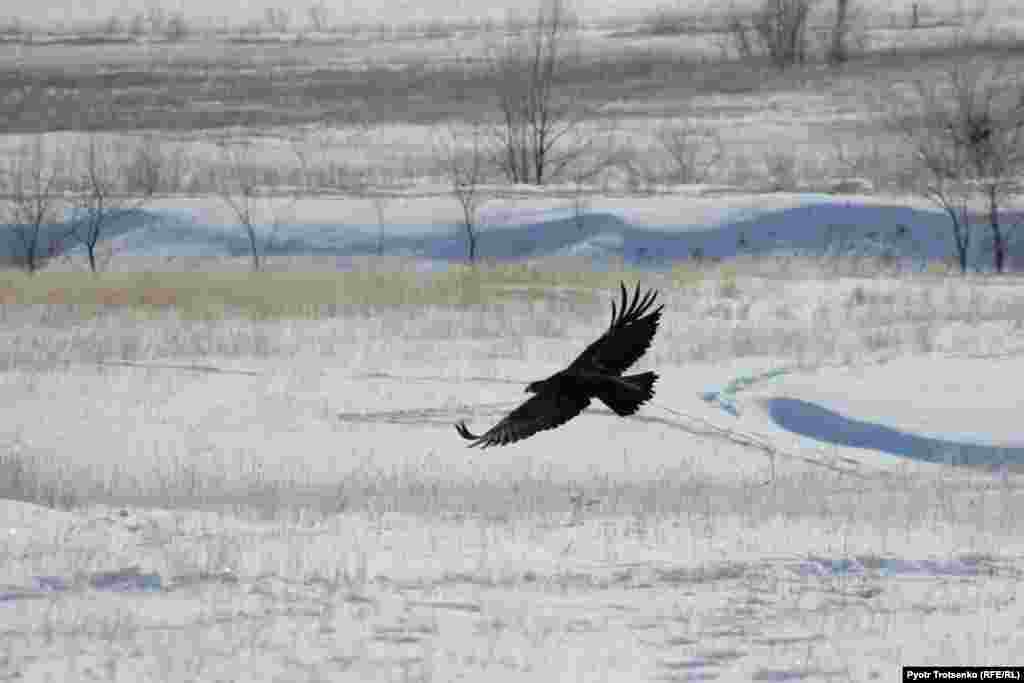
x=247 y=465
x=777 y=29
x=538 y=136
x=249 y=193
x=464 y=170
x=97 y=203
x=205 y=511
x=968 y=132
x=32 y=184
x=693 y=151
x=285 y=294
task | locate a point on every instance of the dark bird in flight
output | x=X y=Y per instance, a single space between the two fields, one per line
x=596 y=373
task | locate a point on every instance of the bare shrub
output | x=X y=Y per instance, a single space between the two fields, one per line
x=316 y=151
x=776 y=30
x=782 y=170
x=863 y=159
x=637 y=174
x=146 y=170
x=692 y=151
x=781 y=27
x=465 y=170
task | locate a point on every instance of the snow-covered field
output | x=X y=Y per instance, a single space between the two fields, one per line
x=370 y=545
x=398 y=12
x=685 y=222
x=288 y=500
x=826 y=486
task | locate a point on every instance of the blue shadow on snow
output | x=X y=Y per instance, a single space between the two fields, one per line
x=821 y=424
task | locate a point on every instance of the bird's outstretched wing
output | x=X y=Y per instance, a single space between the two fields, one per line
x=628 y=337
x=546 y=410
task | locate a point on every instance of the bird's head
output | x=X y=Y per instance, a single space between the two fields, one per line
x=533 y=387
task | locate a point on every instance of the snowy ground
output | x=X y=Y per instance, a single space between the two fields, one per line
x=826 y=487
x=516 y=224
x=298 y=506
x=683 y=554
x=64 y=13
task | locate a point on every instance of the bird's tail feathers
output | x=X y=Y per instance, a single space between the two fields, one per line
x=464 y=432
x=463 y=429
x=625 y=395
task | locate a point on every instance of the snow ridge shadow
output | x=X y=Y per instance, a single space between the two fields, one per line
x=827 y=426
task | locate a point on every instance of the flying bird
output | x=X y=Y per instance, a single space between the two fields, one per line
x=596 y=373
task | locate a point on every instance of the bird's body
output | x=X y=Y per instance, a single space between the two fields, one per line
x=596 y=373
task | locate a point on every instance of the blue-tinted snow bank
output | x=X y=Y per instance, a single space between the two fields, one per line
x=810 y=224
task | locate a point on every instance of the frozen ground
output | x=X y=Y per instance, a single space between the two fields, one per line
x=681 y=559
x=297 y=505
x=827 y=486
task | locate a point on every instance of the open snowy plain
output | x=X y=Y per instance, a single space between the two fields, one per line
x=825 y=487
x=208 y=474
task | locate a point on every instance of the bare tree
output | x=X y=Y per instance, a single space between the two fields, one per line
x=953 y=198
x=944 y=185
x=580 y=200
x=777 y=29
x=781 y=27
x=243 y=188
x=539 y=118
x=968 y=133
x=99 y=202
x=988 y=124
x=33 y=202
x=379 y=205
x=238 y=189
x=838 y=52
x=465 y=171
